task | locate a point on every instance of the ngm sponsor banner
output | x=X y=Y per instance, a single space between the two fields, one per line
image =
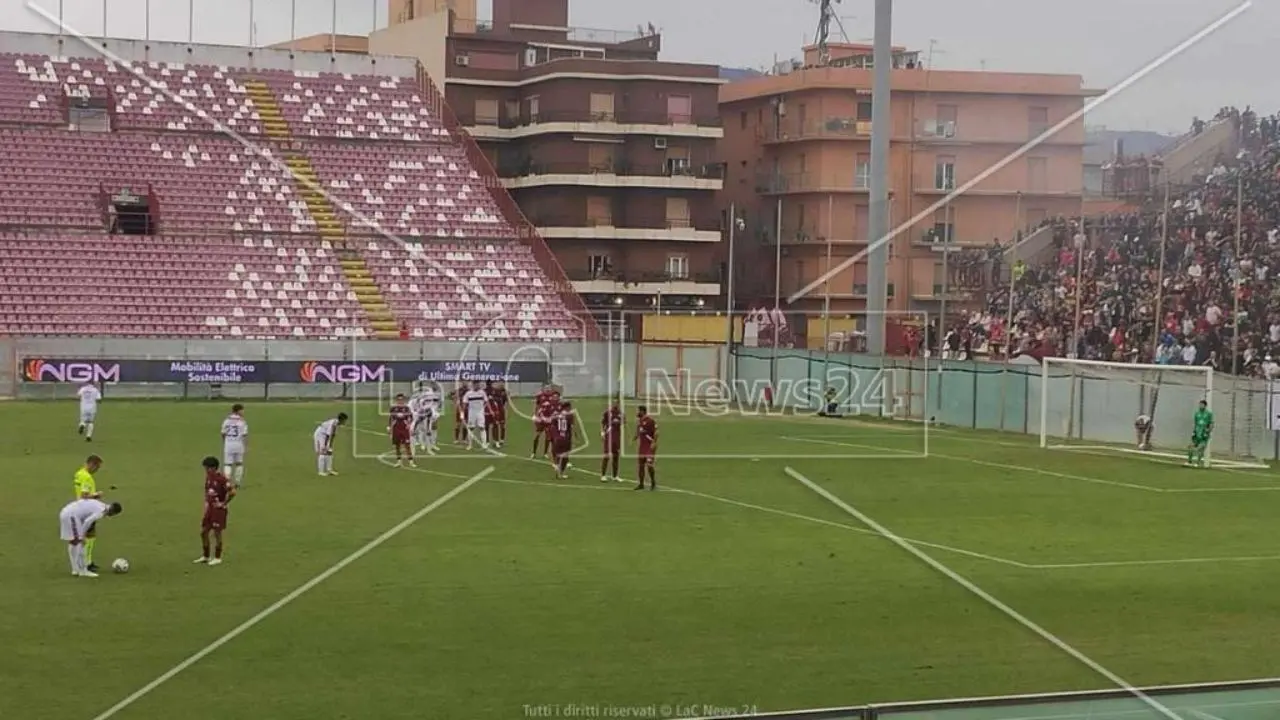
x=77 y=370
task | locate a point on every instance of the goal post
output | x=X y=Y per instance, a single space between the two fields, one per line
x=1093 y=406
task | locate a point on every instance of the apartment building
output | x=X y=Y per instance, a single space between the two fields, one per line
x=797 y=149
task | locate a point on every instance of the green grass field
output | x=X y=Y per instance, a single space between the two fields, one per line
x=737 y=587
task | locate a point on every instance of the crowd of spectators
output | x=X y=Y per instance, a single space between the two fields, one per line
x=1104 y=295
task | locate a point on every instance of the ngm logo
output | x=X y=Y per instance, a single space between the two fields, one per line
x=314 y=372
x=69 y=372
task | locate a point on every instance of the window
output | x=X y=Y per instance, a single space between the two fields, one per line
x=531 y=103
x=1037 y=120
x=512 y=110
x=678 y=166
x=862 y=172
x=944 y=173
x=803 y=161
x=677 y=212
x=599 y=211
x=679 y=109
x=944 y=225
x=1037 y=174
x=599 y=265
x=486 y=111
x=678 y=266
x=945 y=124
x=864 y=111
x=602 y=107
x=600 y=157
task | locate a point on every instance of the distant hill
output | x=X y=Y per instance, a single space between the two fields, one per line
x=1100 y=143
x=735 y=74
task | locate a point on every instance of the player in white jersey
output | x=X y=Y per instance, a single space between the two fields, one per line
x=323 y=438
x=474 y=401
x=235 y=433
x=90 y=396
x=76 y=520
x=426 y=414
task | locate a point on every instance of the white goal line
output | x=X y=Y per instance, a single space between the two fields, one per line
x=1154 y=454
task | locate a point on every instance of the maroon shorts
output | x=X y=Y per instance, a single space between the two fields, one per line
x=561 y=446
x=400 y=435
x=214 y=519
x=612 y=446
x=646 y=456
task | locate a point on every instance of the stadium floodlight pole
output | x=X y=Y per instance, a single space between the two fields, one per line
x=1013 y=274
x=1238 y=284
x=104 y=20
x=146 y=21
x=878 y=213
x=826 y=301
x=333 y=30
x=1081 y=241
x=293 y=21
x=251 y=33
x=733 y=231
x=946 y=280
x=777 y=256
x=60 y=25
x=1164 y=242
x=191 y=21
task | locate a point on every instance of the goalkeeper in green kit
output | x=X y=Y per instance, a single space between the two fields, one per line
x=1202 y=428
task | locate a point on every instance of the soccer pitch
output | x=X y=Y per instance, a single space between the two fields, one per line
x=735 y=588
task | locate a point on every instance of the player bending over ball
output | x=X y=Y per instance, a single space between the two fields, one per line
x=218 y=493
x=235 y=433
x=400 y=427
x=1143 y=427
x=76 y=522
x=1201 y=430
x=86 y=488
x=90 y=396
x=323 y=440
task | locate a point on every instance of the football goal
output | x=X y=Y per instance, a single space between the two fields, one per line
x=1095 y=406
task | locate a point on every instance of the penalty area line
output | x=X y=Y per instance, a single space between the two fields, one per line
x=986 y=597
x=297 y=593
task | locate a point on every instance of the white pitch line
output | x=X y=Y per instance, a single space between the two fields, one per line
x=299 y=592
x=985 y=596
x=1028 y=147
x=1001 y=466
x=415 y=251
x=1139 y=563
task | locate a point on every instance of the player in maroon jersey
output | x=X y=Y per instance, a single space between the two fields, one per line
x=400 y=427
x=543 y=413
x=647 y=437
x=498 y=401
x=562 y=424
x=218 y=493
x=611 y=436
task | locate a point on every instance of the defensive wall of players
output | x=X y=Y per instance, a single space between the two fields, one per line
x=676 y=378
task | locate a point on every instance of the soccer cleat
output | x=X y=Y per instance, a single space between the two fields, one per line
x=80 y=430
x=93 y=567
x=604 y=478
x=333 y=473
x=200 y=560
x=413 y=464
x=215 y=561
x=618 y=479
x=639 y=487
x=88 y=574
x=88 y=439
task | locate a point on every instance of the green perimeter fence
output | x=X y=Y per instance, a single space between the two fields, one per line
x=1012 y=397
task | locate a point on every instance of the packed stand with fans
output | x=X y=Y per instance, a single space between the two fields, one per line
x=1125 y=315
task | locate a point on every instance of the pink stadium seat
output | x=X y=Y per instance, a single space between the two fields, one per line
x=237 y=252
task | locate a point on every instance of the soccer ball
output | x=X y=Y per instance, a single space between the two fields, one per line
x=120 y=565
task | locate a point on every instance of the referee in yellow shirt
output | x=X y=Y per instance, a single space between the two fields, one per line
x=87 y=487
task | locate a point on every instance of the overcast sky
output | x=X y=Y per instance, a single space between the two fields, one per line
x=1103 y=40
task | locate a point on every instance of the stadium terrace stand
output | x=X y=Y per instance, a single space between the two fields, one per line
x=1203 y=273
x=296 y=242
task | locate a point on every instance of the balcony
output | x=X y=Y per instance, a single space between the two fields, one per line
x=645 y=283
x=576 y=227
x=625 y=122
x=813 y=182
x=614 y=175
x=830 y=129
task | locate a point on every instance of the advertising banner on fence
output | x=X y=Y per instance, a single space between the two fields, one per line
x=79 y=370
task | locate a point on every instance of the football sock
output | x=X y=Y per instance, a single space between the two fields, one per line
x=88 y=430
x=74 y=554
x=88 y=550
x=204 y=546
x=238 y=472
x=320 y=464
x=81 y=563
x=217 y=550
x=604 y=465
x=614 y=457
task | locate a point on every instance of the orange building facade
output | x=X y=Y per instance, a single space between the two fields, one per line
x=797 y=149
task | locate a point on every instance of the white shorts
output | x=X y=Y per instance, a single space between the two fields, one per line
x=68 y=529
x=475 y=419
x=232 y=454
x=87 y=415
x=321 y=443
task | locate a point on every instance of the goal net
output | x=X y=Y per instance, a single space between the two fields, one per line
x=1094 y=406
